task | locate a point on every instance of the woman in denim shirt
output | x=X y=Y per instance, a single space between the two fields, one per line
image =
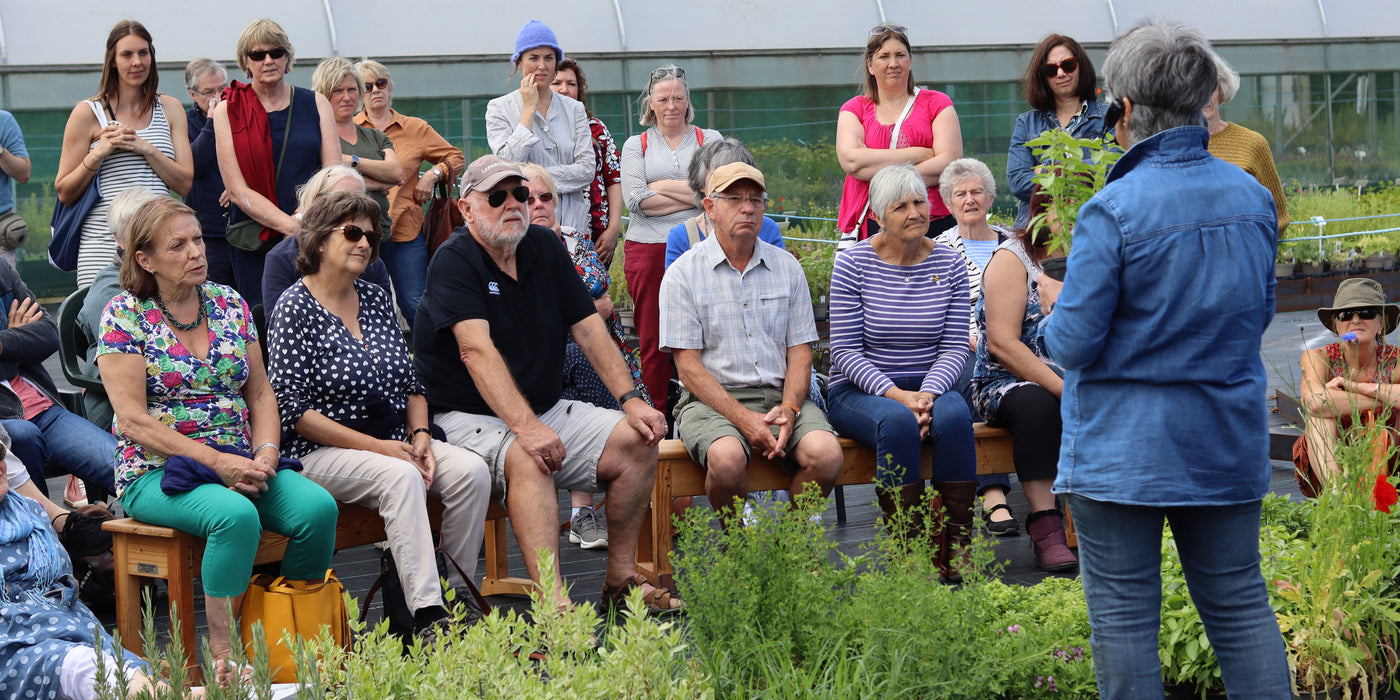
x=1059 y=86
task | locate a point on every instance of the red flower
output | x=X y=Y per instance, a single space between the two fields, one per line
x=1384 y=493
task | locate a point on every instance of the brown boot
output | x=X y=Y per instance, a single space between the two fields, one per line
x=955 y=555
x=1052 y=552
x=902 y=499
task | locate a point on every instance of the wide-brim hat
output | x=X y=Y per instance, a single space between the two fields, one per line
x=1360 y=293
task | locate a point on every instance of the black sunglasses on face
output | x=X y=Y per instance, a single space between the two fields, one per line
x=496 y=198
x=1364 y=314
x=258 y=55
x=380 y=83
x=1112 y=114
x=1050 y=70
x=354 y=233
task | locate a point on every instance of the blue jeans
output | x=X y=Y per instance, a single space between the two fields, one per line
x=1120 y=560
x=893 y=430
x=69 y=441
x=408 y=268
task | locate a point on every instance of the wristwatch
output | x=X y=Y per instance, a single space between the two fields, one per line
x=633 y=394
x=355 y=162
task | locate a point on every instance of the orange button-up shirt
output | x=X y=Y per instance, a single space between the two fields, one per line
x=415 y=141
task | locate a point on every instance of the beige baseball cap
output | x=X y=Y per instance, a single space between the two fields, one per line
x=486 y=171
x=726 y=175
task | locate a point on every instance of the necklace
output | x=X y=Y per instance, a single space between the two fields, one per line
x=171 y=317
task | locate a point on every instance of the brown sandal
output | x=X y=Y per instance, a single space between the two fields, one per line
x=657 y=600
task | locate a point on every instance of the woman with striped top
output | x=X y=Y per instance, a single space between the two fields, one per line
x=129 y=135
x=899 y=329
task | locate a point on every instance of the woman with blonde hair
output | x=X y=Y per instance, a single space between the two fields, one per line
x=364 y=148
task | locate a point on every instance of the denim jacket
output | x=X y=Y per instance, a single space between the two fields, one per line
x=1020 y=162
x=1169 y=288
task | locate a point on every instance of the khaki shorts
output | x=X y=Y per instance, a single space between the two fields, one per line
x=699 y=425
x=583 y=428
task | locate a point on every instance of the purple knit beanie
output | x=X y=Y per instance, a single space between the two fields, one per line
x=534 y=35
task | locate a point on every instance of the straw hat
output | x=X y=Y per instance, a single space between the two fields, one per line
x=1360 y=293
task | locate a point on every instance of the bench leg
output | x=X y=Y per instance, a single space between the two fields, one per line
x=840 y=505
x=128 y=593
x=180 y=585
x=662 y=534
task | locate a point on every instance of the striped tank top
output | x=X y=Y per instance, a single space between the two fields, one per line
x=119 y=171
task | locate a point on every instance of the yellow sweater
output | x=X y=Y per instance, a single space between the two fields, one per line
x=1247 y=149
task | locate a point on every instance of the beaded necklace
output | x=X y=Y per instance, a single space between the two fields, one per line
x=171 y=317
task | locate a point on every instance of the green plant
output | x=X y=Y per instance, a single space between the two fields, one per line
x=1072 y=170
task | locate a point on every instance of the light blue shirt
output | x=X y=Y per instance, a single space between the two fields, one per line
x=13 y=141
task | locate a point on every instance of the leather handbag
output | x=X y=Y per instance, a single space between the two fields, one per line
x=246 y=235
x=66 y=224
x=299 y=608
x=443 y=217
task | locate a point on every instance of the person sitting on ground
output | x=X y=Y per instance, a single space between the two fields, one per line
x=30 y=410
x=712 y=155
x=105 y=286
x=744 y=390
x=897 y=350
x=502 y=298
x=581 y=382
x=281 y=270
x=353 y=410
x=1343 y=380
x=181 y=361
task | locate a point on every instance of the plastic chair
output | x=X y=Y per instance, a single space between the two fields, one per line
x=73 y=345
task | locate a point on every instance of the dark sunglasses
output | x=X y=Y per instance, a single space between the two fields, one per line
x=545 y=197
x=381 y=83
x=1112 y=114
x=354 y=233
x=1364 y=314
x=1069 y=66
x=496 y=198
x=259 y=54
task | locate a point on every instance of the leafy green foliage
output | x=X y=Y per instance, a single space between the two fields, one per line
x=1071 y=171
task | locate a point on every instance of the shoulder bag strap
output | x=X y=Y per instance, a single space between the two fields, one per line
x=291 y=109
x=97 y=110
x=894 y=142
x=692 y=232
x=644 y=142
x=699 y=137
x=481 y=603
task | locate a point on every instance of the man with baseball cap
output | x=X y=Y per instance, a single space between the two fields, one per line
x=737 y=320
x=502 y=297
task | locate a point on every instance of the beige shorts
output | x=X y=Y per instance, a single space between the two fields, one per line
x=583 y=428
x=699 y=425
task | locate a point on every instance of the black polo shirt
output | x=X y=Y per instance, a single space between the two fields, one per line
x=530 y=318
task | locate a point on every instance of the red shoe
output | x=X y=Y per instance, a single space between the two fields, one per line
x=1052 y=553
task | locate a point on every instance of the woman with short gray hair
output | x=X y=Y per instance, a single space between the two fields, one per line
x=685 y=235
x=899 y=325
x=1169 y=289
x=205 y=80
x=1244 y=147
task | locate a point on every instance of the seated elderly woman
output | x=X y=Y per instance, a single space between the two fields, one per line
x=182 y=364
x=353 y=411
x=1017 y=384
x=899 y=327
x=1351 y=379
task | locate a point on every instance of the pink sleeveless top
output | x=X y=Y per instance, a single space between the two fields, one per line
x=917 y=130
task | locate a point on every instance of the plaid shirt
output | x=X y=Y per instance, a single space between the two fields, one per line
x=743 y=322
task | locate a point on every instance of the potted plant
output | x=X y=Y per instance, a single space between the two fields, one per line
x=1072 y=171
x=1308 y=257
x=1284 y=264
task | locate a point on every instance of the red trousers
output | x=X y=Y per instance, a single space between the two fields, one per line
x=643 y=265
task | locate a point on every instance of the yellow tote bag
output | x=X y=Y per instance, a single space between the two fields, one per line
x=300 y=607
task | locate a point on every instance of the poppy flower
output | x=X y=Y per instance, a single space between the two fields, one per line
x=1384 y=493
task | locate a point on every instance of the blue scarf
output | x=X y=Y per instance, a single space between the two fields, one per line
x=24 y=526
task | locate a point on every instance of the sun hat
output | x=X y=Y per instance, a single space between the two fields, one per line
x=730 y=173
x=1360 y=293
x=534 y=35
x=486 y=171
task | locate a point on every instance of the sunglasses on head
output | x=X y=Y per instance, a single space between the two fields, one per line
x=260 y=54
x=496 y=198
x=667 y=72
x=354 y=233
x=1363 y=314
x=1069 y=66
x=381 y=83
x=881 y=28
x=545 y=197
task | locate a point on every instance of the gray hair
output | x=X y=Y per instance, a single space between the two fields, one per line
x=200 y=67
x=892 y=183
x=965 y=169
x=669 y=71
x=710 y=156
x=1167 y=71
x=321 y=182
x=1227 y=79
x=120 y=210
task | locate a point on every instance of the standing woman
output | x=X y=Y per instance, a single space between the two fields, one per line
x=141 y=140
x=415 y=143
x=364 y=148
x=605 y=193
x=893 y=122
x=1236 y=144
x=1059 y=85
x=535 y=125
x=252 y=123
x=656 y=189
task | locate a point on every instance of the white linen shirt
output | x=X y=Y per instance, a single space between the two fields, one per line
x=743 y=322
x=561 y=142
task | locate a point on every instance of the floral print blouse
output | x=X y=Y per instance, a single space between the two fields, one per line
x=609 y=173
x=201 y=399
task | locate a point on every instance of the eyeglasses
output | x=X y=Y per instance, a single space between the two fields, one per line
x=354 y=233
x=667 y=72
x=760 y=202
x=257 y=55
x=1363 y=314
x=883 y=27
x=1069 y=66
x=496 y=198
x=381 y=83
x=545 y=197
x=208 y=93
x=1112 y=114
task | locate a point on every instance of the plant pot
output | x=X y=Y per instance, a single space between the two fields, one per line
x=1054 y=267
x=624 y=316
x=1282 y=270
x=821 y=311
x=1311 y=268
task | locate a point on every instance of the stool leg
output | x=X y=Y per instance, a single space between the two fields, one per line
x=128 y=594
x=180 y=564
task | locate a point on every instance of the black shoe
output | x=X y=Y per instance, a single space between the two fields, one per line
x=1004 y=528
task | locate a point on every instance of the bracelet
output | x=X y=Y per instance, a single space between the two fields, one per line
x=266 y=445
x=89 y=167
x=795 y=410
x=420 y=430
x=635 y=393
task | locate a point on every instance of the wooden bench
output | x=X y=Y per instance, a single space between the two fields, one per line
x=144 y=551
x=678 y=475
